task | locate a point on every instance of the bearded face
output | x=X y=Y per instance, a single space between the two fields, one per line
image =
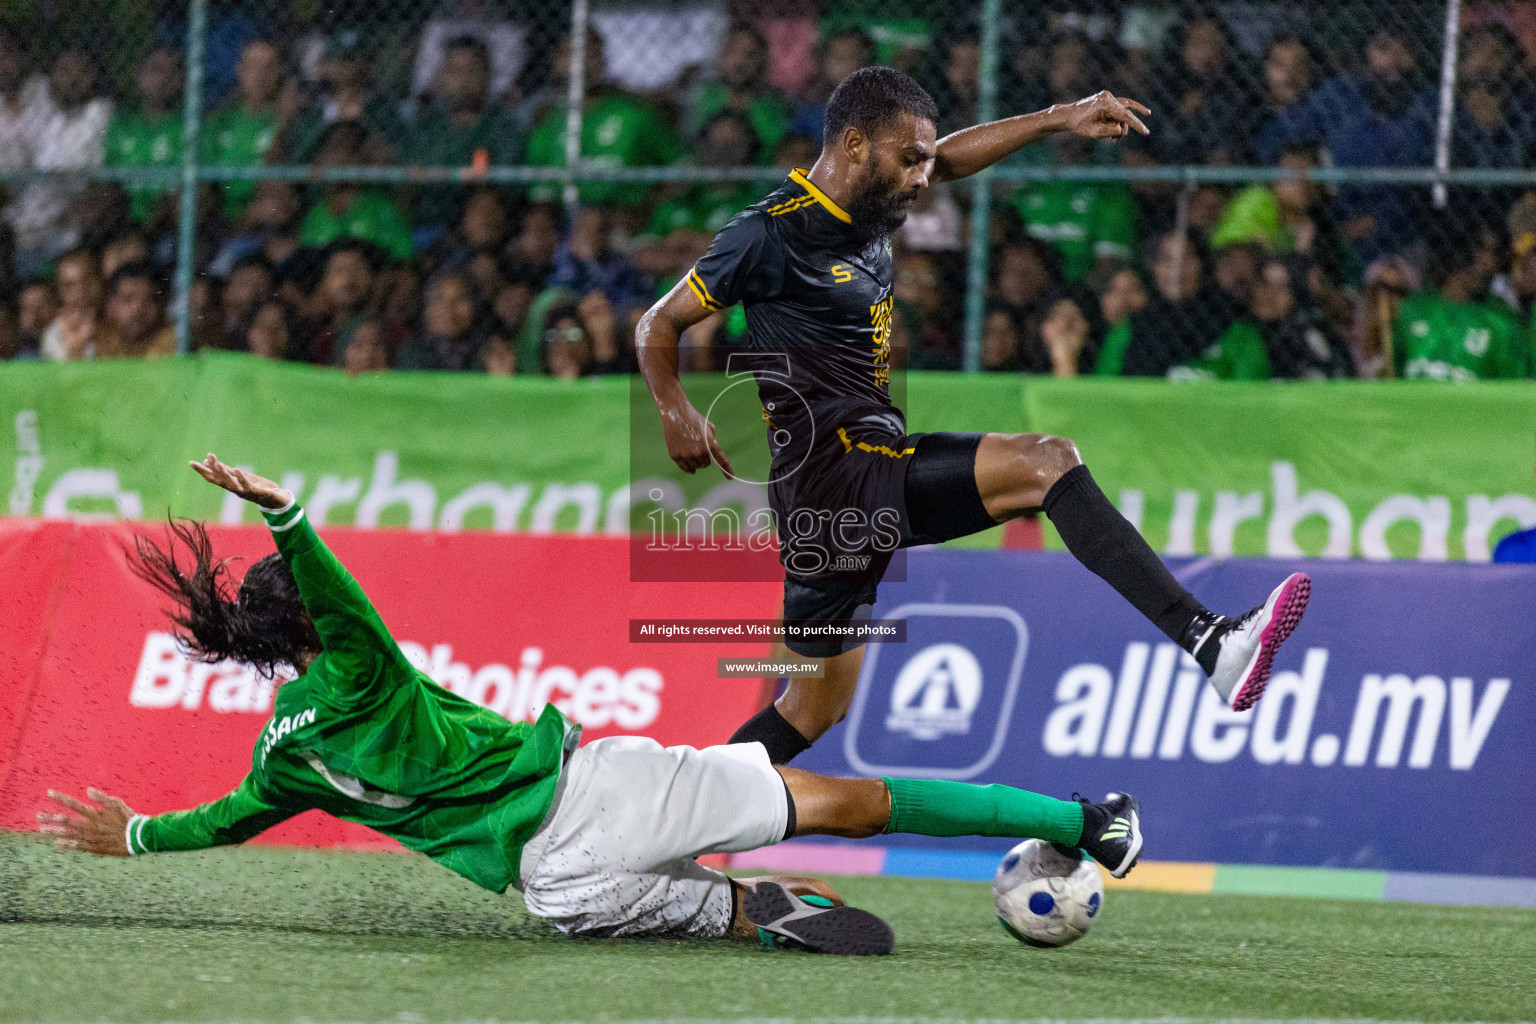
x=881 y=199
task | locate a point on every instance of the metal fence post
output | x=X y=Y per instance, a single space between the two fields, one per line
x=1447 y=99
x=575 y=96
x=191 y=134
x=981 y=194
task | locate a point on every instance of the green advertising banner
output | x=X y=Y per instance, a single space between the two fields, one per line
x=445 y=451
x=1337 y=469
x=1334 y=469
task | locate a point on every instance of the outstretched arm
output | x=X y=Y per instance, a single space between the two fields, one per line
x=1102 y=116
x=357 y=646
x=108 y=827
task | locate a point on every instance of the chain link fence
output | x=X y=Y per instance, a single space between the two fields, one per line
x=1330 y=189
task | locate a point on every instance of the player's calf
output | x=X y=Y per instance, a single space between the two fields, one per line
x=1110 y=831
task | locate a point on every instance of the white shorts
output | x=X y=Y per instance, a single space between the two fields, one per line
x=614 y=854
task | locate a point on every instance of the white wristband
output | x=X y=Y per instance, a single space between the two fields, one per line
x=292 y=501
x=136 y=821
x=290 y=524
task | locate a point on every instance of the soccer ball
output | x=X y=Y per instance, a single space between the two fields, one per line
x=1047 y=895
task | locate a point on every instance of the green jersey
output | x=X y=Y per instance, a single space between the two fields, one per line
x=369 y=216
x=1239 y=354
x=617 y=130
x=138 y=139
x=768 y=115
x=895 y=33
x=364 y=736
x=237 y=137
x=437 y=142
x=1084 y=221
x=703 y=208
x=1437 y=339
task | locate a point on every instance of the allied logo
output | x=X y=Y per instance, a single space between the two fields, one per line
x=936 y=693
x=939 y=706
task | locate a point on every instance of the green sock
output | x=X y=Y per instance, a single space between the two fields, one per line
x=927 y=807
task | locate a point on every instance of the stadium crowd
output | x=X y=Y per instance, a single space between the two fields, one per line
x=1288 y=280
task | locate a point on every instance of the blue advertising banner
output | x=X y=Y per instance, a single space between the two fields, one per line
x=1397 y=733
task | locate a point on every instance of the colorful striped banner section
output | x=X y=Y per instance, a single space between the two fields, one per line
x=1159 y=876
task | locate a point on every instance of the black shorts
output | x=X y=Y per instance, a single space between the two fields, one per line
x=927 y=484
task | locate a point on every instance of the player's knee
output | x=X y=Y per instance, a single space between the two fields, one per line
x=1055 y=456
x=1042 y=459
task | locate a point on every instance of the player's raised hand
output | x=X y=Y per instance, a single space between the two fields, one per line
x=1105 y=116
x=100 y=828
x=243 y=482
x=691 y=440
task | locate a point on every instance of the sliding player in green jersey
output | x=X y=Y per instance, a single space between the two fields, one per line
x=600 y=838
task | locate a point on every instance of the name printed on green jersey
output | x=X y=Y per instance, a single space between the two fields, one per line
x=280 y=727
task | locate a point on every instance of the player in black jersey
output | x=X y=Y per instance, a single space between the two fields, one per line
x=811 y=263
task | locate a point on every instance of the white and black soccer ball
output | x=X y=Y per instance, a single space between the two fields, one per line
x=1047 y=895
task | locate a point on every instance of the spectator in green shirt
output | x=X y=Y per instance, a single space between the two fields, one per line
x=351 y=210
x=901 y=32
x=740 y=85
x=1456 y=331
x=241 y=134
x=680 y=229
x=1092 y=226
x=346 y=94
x=151 y=134
x=460 y=129
x=1189 y=328
x=618 y=129
x=1288 y=216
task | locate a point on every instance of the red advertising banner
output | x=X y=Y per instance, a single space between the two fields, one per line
x=93 y=691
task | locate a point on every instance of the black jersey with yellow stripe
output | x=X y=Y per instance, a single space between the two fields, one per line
x=817 y=295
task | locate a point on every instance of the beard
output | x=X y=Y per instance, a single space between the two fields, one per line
x=877 y=209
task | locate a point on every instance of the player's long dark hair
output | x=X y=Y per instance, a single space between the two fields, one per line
x=263 y=624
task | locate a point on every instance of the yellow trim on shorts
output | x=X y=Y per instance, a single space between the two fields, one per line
x=873 y=449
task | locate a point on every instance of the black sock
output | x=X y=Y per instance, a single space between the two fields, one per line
x=1111 y=548
x=769 y=728
x=1200 y=630
x=1095 y=821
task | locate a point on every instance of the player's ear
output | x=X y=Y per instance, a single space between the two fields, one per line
x=855 y=145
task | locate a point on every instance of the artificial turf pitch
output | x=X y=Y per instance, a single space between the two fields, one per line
x=263 y=934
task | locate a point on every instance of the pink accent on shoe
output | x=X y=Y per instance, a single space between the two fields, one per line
x=1290 y=605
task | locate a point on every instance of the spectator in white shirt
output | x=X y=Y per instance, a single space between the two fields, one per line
x=72 y=138
x=24 y=105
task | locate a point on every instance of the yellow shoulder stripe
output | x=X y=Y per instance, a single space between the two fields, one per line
x=798 y=177
x=701 y=292
x=791 y=206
